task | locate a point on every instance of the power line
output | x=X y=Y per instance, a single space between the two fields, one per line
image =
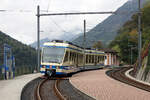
x=2 y=10
x=59 y=26
x=22 y=11
x=48 y=5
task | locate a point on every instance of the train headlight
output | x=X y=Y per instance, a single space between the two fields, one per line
x=50 y=67
x=57 y=67
x=43 y=66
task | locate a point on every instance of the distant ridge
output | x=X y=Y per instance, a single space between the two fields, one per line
x=34 y=44
x=63 y=37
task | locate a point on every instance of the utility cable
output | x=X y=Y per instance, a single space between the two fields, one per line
x=48 y=5
x=59 y=26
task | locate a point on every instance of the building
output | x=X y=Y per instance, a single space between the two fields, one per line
x=111 y=58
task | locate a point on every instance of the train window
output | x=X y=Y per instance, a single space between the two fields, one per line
x=70 y=56
x=92 y=58
x=99 y=59
x=96 y=58
x=77 y=58
x=103 y=58
x=81 y=58
x=53 y=55
x=66 y=57
x=74 y=57
x=86 y=58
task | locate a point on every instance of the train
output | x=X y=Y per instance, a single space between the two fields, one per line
x=60 y=57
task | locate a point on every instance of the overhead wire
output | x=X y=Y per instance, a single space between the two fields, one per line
x=59 y=27
x=5 y=10
x=48 y=5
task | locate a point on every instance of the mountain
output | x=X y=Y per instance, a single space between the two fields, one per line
x=66 y=37
x=25 y=56
x=34 y=44
x=69 y=36
x=107 y=30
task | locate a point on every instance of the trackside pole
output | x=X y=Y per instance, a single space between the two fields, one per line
x=38 y=37
x=140 y=34
x=84 y=42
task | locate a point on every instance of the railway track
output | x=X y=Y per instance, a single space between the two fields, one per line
x=52 y=89
x=119 y=74
x=48 y=90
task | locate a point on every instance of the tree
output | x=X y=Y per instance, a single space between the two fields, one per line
x=98 y=45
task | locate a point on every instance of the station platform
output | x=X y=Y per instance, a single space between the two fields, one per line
x=11 y=89
x=101 y=87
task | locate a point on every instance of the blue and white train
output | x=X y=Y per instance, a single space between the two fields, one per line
x=60 y=57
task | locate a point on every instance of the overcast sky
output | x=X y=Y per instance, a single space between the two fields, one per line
x=19 y=21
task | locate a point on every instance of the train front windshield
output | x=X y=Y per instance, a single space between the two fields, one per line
x=52 y=55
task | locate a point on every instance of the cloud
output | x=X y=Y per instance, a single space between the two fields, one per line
x=19 y=21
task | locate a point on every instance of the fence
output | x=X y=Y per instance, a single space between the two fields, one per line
x=8 y=70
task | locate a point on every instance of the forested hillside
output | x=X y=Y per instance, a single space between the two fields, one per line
x=25 y=56
x=128 y=36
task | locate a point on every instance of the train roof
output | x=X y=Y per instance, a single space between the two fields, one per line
x=63 y=42
x=67 y=43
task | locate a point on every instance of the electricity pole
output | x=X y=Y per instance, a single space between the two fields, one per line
x=140 y=33
x=84 y=42
x=38 y=37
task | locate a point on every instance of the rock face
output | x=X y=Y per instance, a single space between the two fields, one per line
x=107 y=30
x=143 y=73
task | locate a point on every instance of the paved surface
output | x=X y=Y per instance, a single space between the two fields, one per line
x=11 y=89
x=101 y=87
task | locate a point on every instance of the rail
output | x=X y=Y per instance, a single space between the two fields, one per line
x=58 y=93
x=119 y=74
x=55 y=88
x=38 y=89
